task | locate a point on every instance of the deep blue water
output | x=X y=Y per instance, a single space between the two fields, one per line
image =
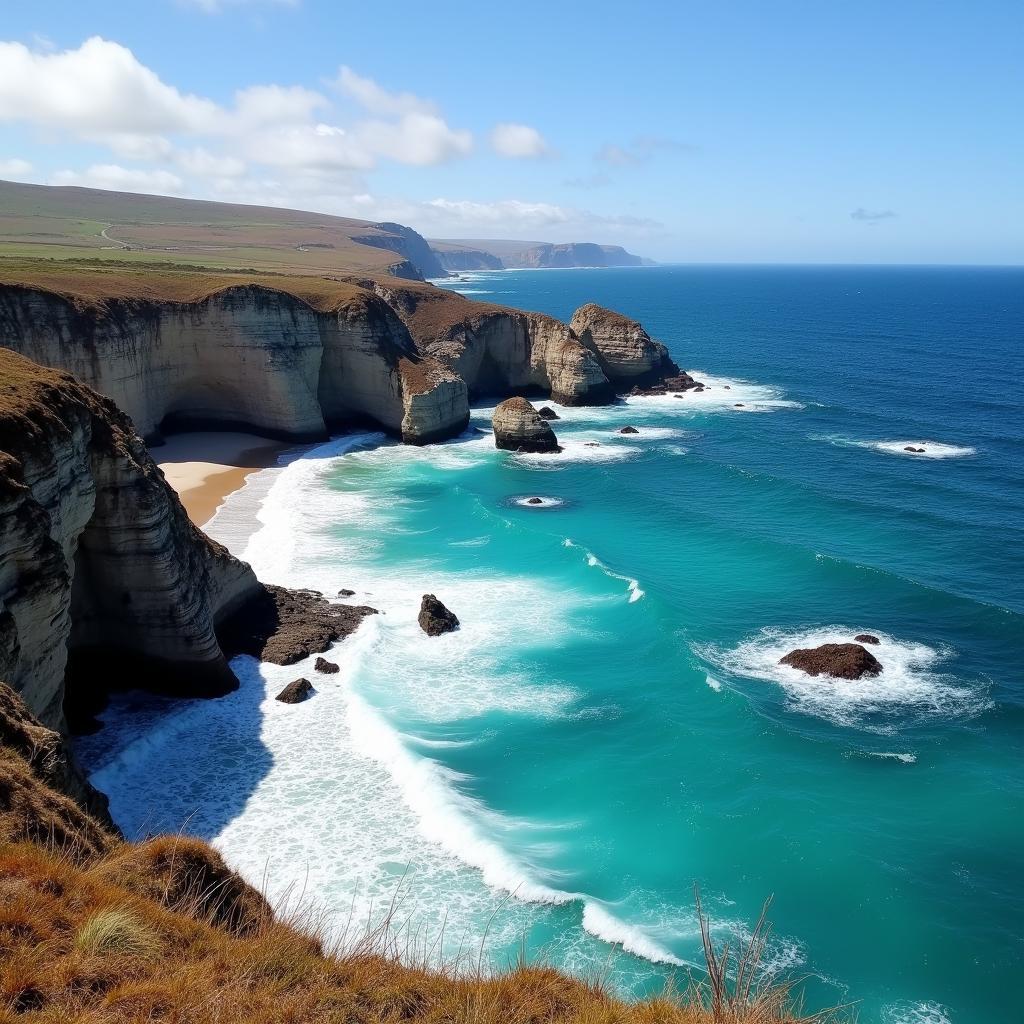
x=610 y=726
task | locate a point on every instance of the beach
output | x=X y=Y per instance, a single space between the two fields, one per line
x=205 y=467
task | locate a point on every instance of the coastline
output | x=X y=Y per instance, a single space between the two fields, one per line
x=206 y=467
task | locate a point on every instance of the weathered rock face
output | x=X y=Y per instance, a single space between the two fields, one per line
x=98 y=559
x=247 y=357
x=435 y=618
x=626 y=353
x=519 y=428
x=408 y=243
x=327 y=667
x=455 y=259
x=842 y=661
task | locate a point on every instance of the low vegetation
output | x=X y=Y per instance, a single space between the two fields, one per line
x=95 y=930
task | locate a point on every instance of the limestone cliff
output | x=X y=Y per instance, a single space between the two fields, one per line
x=247 y=356
x=627 y=354
x=408 y=243
x=496 y=350
x=98 y=561
x=456 y=258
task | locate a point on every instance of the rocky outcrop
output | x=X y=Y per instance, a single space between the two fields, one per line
x=574 y=254
x=435 y=618
x=285 y=626
x=329 y=668
x=866 y=638
x=628 y=430
x=841 y=661
x=102 y=575
x=295 y=692
x=627 y=354
x=406 y=242
x=247 y=357
x=519 y=428
x=545 y=412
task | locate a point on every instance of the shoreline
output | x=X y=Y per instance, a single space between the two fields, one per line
x=205 y=468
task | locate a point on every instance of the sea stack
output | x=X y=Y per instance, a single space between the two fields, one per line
x=518 y=427
x=627 y=354
x=841 y=661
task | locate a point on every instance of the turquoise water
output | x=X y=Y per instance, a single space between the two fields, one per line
x=610 y=726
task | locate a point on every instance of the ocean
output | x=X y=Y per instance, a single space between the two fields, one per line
x=610 y=727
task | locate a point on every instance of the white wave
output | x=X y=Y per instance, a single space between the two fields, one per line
x=579 y=448
x=720 y=394
x=713 y=683
x=912 y=1012
x=889 y=755
x=472 y=542
x=908 y=688
x=932 y=449
x=601 y=923
x=632 y=585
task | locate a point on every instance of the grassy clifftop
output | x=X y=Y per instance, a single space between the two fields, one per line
x=94 y=929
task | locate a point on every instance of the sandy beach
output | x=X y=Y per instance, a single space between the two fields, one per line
x=205 y=467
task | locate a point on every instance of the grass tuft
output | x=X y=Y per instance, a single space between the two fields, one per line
x=118 y=932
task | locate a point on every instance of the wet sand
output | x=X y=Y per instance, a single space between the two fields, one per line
x=205 y=467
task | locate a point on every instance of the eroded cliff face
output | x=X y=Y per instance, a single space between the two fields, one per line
x=248 y=357
x=627 y=354
x=98 y=560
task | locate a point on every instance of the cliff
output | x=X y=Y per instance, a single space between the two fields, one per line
x=408 y=243
x=456 y=258
x=103 y=578
x=498 y=254
x=178 y=352
x=575 y=254
x=626 y=353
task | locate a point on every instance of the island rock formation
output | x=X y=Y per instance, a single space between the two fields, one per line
x=435 y=618
x=841 y=661
x=518 y=427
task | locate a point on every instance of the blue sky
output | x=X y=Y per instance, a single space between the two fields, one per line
x=728 y=131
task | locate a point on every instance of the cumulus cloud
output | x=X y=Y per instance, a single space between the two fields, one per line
x=122 y=179
x=518 y=141
x=872 y=216
x=376 y=99
x=14 y=169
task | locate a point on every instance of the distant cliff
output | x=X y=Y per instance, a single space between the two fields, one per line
x=499 y=254
x=575 y=254
x=408 y=243
x=455 y=259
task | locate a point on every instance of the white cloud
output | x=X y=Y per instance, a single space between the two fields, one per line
x=201 y=163
x=122 y=179
x=419 y=139
x=97 y=89
x=377 y=100
x=506 y=211
x=518 y=141
x=14 y=169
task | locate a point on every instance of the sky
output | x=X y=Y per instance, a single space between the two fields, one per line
x=728 y=131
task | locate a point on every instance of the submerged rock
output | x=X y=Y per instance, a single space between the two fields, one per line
x=867 y=638
x=629 y=430
x=295 y=692
x=911 y=448
x=534 y=501
x=345 y=592
x=545 y=412
x=518 y=427
x=435 y=618
x=841 y=661
x=327 y=667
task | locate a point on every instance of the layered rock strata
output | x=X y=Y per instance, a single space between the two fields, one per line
x=626 y=353
x=99 y=563
x=518 y=427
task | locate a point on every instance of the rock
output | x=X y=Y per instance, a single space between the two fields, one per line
x=591 y=444
x=626 y=353
x=518 y=428
x=841 y=661
x=738 y=405
x=545 y=412
x=81 y=500
x=911 y=448
x=345 y=592
x=628 y=430
x=295 y=692
x=867 y=638
x=728 y=387
x=327 y=667
x=534 y=501
x=435 y=618
x=285 y=626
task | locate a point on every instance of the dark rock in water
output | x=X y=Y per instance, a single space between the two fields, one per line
x=295 y=692
x=629 y=430
x=738 y=405
x=867 y=638
x=435 y=618
x=284 y=626
x=534 y=501
x=545 y=412
x=345 y=592
x=677 y=396
x=518 y=427
x=681 y=382
x=728 y=387
x=591 y=444
x=911 y=448
x=327 y=667
x=841 y=661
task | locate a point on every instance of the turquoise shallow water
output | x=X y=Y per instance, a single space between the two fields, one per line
x=610 y=725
